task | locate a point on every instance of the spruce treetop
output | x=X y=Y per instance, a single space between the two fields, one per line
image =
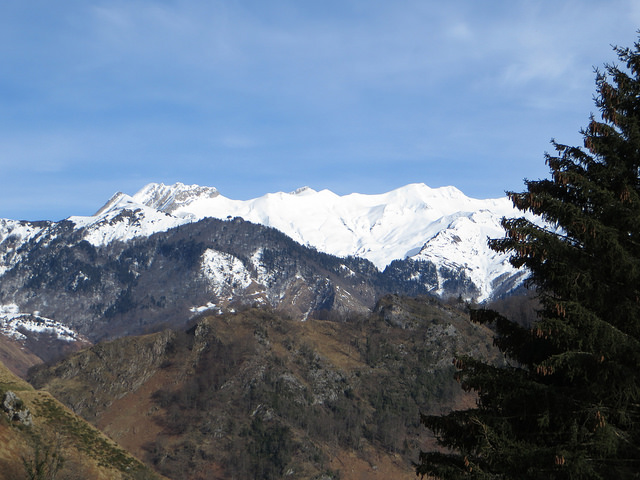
x=567 y=406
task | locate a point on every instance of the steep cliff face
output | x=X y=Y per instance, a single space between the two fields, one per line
x=255 y=394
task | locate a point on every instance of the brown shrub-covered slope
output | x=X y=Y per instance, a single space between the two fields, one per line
x=41 y=438
x=257 y=395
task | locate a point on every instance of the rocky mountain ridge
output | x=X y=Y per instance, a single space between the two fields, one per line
x=145 y=260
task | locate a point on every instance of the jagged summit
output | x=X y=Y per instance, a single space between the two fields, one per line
x=113 y=202
x=303 y=190
x=168 y=198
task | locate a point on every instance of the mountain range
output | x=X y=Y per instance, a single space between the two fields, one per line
x=171 y=321
x=440 y=225
x=176 y=251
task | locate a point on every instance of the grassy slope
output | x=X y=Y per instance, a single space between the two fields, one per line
x=15 y=357
x=87 y=452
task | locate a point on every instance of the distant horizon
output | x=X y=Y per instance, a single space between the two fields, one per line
x=353 y=96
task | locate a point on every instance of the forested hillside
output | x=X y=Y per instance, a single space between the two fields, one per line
x=568 y=405
x=258 y=395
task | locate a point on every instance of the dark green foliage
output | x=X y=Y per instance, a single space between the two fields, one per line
x=124 y=303
x=185 y=252
x=411 y=276
x=568 y=404
x=420 y=277
x=269 y=449
x=65 y=268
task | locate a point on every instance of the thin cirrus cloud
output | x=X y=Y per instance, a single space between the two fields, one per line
x=253 y=97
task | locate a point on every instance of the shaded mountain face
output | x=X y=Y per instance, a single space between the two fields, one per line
x=257 y=395
x=123 y=288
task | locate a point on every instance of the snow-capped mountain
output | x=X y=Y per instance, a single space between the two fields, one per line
x=167 y=253
x=122 y=218
x=438 y=225
x=380 y=228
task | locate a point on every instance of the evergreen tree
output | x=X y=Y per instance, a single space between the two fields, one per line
x=567 y=406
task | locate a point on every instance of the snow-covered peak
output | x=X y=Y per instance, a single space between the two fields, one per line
x=381 y=227
x=123 y=218
x=168 y=198
x=441 y=225
x=117 y=201
x=303 y=191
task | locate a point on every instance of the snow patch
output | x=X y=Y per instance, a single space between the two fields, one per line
x=13 y=234
x=262 y=276
x=13 y=323
x=347 y=271
x=210 y=306
x=225 y=272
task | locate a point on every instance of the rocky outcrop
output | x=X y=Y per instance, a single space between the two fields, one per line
x=15 y=409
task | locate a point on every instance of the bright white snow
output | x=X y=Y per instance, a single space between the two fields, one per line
x=381 y=227
x=225 y=272
x=438 y=224
x=12 y=321
x=123 y=219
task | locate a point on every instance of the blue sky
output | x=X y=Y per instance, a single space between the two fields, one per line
x=255 y=96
